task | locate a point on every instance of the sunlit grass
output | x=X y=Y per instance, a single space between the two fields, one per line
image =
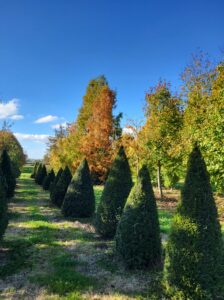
x=63 y=278
x=98 y=189
x=41 y=240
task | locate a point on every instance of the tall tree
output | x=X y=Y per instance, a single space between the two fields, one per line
x=85 y=113
x=97 y=144
x=203 y=116
x=162 y=129
x=70 y=147
x=213 y=131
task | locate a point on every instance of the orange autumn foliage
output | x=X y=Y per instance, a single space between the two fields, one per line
x=97 y=143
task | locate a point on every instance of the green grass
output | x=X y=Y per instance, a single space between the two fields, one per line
x=63 y=279
x=60 y=254
x=165 y=220
x=17 y=257
x=98 y=189
x=41 y=240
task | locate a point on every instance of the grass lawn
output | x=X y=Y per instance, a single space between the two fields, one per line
x=45 y=256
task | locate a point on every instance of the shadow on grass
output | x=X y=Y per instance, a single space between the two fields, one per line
x=63 y=279
x=42 y=245
x=16 y=256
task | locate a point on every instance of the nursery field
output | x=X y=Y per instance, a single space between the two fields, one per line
x=46 y=256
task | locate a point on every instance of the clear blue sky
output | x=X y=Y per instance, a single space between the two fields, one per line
x=50 y=49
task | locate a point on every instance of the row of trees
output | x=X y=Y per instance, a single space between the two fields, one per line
x=74 y=195
x=194 y=260
x=7 y=189
x=173 y=122
x=194 y=254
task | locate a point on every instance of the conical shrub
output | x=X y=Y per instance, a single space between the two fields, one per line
x=33 y=175
x=194 y=254
x=41 y=174
x=79 y=200
x=3 y=205
x=8 y=174
x=53 y=184
x=38 y=173
x=48 y=180
x=137 y=237
x=114 y=196
x=61 y=186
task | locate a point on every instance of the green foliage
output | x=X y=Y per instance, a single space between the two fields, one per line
x=194 y=265
x=8 y=174
x=9 y=142
x=161 y=133
x=79 y=200
x=114 y=196
x=53 y=184
x=38 y=173
x=204 y=115
x=138 y=234
x=93 y=89
x=60 y=189
x=48 y=180
x=3 y=205
x=64 y=279
x=33 y=175
x=41 y=174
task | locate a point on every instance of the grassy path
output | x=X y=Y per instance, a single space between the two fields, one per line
x=45 y=256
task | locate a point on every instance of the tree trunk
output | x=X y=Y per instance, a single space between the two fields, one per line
x=159 y=179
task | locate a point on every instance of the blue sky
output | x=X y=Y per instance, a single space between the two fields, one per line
x=50 y=49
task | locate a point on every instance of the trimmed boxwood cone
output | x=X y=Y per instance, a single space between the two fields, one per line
x=48 y=180
x=33 y=175
x=194 y=265
x=53 y=184
x=41 y=174
x=138 y=234
x=61 y=186
x=79 y=200
x=38 y=173
x=114 y=196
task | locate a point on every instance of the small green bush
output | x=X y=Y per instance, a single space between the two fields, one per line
x=8 y=174
x=48 y=180
x=60 y=189
x=194 y=264
x=38 y=173
x=138 y=235
x=79 y=200
x=53 y=184
x=3 y=205
x=33 y=175
x=41 y=174
x=114 y=196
